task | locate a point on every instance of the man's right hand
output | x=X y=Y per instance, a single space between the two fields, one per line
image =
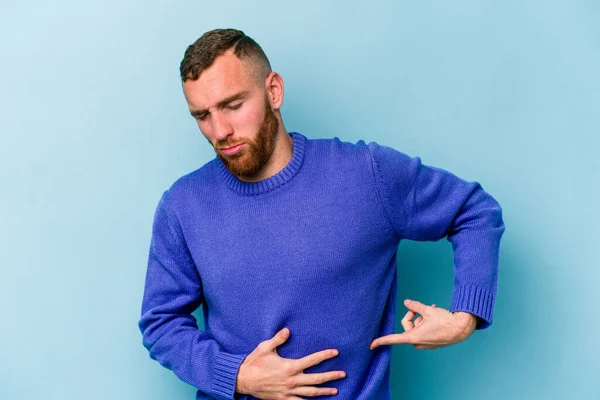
x=265 y=375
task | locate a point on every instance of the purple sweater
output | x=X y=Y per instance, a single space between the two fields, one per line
x=312 y=248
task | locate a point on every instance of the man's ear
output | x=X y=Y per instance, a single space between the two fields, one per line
x=274 y=86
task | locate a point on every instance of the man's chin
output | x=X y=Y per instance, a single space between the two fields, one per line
x=238 y=169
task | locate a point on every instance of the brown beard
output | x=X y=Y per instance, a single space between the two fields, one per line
x=256 y=152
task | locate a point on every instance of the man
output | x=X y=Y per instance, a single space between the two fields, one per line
x=289 y=244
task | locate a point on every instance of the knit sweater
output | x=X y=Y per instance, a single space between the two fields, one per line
x=311 y=248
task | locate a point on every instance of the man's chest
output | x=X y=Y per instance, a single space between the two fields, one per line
x=279 y=241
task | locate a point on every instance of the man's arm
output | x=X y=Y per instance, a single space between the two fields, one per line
x=173 y=290
x=426 y=203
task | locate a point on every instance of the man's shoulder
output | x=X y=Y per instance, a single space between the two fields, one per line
x=201 y=178
x=373 y=152
x=369 y=150
x=339 y=145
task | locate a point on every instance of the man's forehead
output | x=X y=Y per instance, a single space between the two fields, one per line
x=226 y=69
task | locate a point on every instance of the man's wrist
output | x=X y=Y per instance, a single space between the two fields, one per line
x=470 y=320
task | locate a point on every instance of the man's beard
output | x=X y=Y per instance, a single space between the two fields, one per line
x=256 y=152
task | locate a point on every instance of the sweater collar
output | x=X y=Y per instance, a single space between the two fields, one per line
x=273 y=182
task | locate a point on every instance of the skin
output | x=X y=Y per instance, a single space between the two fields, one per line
x=435 y=327
x=254 y=119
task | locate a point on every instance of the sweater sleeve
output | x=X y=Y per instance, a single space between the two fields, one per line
x=173 y=290
x=425 y=203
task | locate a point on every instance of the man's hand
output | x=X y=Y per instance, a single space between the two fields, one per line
x=434 y=328
x=265 y=375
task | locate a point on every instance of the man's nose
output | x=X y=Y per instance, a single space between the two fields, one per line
x=221 y=126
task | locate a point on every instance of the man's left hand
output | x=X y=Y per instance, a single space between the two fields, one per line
x=434 y=327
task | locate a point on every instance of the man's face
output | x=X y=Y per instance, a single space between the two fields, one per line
x=231 y=108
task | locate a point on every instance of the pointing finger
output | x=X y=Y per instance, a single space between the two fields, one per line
x=396 y=338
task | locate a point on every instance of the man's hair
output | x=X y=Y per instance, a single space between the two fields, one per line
x=202 y=53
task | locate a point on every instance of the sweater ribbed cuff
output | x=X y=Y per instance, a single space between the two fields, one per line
x=225 y=374
x=474 y=300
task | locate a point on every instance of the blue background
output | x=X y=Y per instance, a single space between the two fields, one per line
x=94 y=127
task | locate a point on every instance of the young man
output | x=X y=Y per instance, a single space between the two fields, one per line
x=289 y=244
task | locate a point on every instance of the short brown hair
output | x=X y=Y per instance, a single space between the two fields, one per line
x=202 y=53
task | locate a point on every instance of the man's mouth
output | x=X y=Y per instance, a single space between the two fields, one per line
x=232 y=150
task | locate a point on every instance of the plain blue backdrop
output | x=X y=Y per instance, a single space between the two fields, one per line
x=94 y=127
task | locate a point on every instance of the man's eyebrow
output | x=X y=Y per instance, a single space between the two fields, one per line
x=222 y=103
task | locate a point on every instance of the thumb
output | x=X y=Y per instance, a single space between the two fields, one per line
x=279 y=338
x=415 y=306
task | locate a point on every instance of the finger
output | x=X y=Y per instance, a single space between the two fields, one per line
x=396 y=338
x=415 y=306
x=419 y=320
x=407 y=323
x=277 y=340
x=318 y=378
x=312 y=391
x=314 y=358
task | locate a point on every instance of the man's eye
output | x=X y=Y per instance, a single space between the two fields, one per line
x=201 y=117
x=235 y=107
